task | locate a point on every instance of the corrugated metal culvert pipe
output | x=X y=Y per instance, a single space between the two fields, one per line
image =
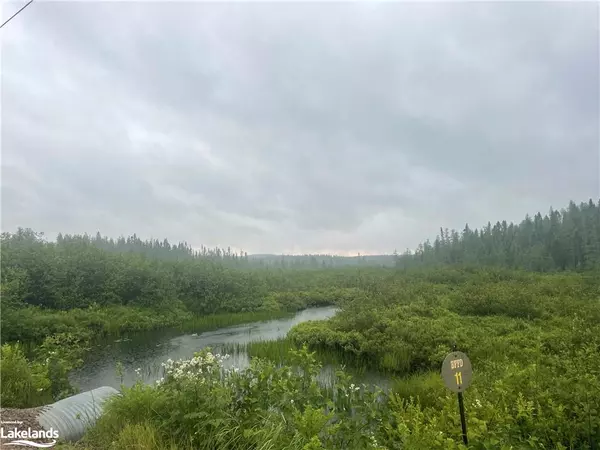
x=72 y=416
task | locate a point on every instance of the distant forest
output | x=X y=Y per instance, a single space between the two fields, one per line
x=560 y=240
x=163 y=249
x=80 y=271
x=568 y=239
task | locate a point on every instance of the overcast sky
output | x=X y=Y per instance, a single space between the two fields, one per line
x=338 y=128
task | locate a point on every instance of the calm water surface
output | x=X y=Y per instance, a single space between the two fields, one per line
x=147 y=350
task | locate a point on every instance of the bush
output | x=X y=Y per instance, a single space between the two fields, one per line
x=265 y=406
x=24 y=384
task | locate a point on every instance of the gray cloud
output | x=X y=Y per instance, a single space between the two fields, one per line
x=296 y=127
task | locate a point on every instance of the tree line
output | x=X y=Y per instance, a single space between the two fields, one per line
x=566 y=239
x=163 y=249
x=78 y=271
x=75 y=272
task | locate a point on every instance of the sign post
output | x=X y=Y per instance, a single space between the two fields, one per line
x=457 y=374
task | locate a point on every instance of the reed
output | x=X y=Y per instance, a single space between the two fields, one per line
x=215 y=321
x=279 y=351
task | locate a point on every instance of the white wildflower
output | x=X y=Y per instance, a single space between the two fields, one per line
x=373 y=440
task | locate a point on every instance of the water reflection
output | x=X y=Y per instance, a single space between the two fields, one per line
x=147 y=350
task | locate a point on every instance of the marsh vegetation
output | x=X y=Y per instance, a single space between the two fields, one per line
x=522 y=300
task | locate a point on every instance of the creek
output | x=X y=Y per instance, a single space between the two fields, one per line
x=145 y=351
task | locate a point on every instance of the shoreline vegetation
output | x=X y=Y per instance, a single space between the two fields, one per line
x=522 y=300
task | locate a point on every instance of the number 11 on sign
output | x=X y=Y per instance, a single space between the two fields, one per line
x=458 y=376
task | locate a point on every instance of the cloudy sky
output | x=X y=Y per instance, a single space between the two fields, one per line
x=304 y=127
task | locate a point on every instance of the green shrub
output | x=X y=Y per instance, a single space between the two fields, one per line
x=24 y=384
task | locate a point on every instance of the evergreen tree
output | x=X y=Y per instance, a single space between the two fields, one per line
x=568 y=239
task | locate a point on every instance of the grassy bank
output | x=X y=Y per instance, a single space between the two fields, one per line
x=280 y=352
x=216 y=321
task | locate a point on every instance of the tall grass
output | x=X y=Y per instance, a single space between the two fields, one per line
x=280 y=352
x=24 y=384
x=215 y=321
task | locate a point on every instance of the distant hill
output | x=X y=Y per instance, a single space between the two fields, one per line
x=324 y=260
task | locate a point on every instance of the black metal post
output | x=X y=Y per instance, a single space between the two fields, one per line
x=463 y=422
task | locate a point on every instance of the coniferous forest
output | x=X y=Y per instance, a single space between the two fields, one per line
x=567 y=239
x=522 y=300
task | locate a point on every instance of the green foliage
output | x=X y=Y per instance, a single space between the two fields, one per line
x=536 y=376
x=62 y=294
x=24 y=384
x=140 y=436
x=216 y=321
x=55 y=287
x=43 y=379
x=561 y=240
x=533 y=338
x=265 y=406
x=33 y=324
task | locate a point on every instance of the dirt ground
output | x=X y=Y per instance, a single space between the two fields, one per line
x=25 y=416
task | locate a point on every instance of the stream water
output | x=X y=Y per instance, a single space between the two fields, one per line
x=147 y=350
